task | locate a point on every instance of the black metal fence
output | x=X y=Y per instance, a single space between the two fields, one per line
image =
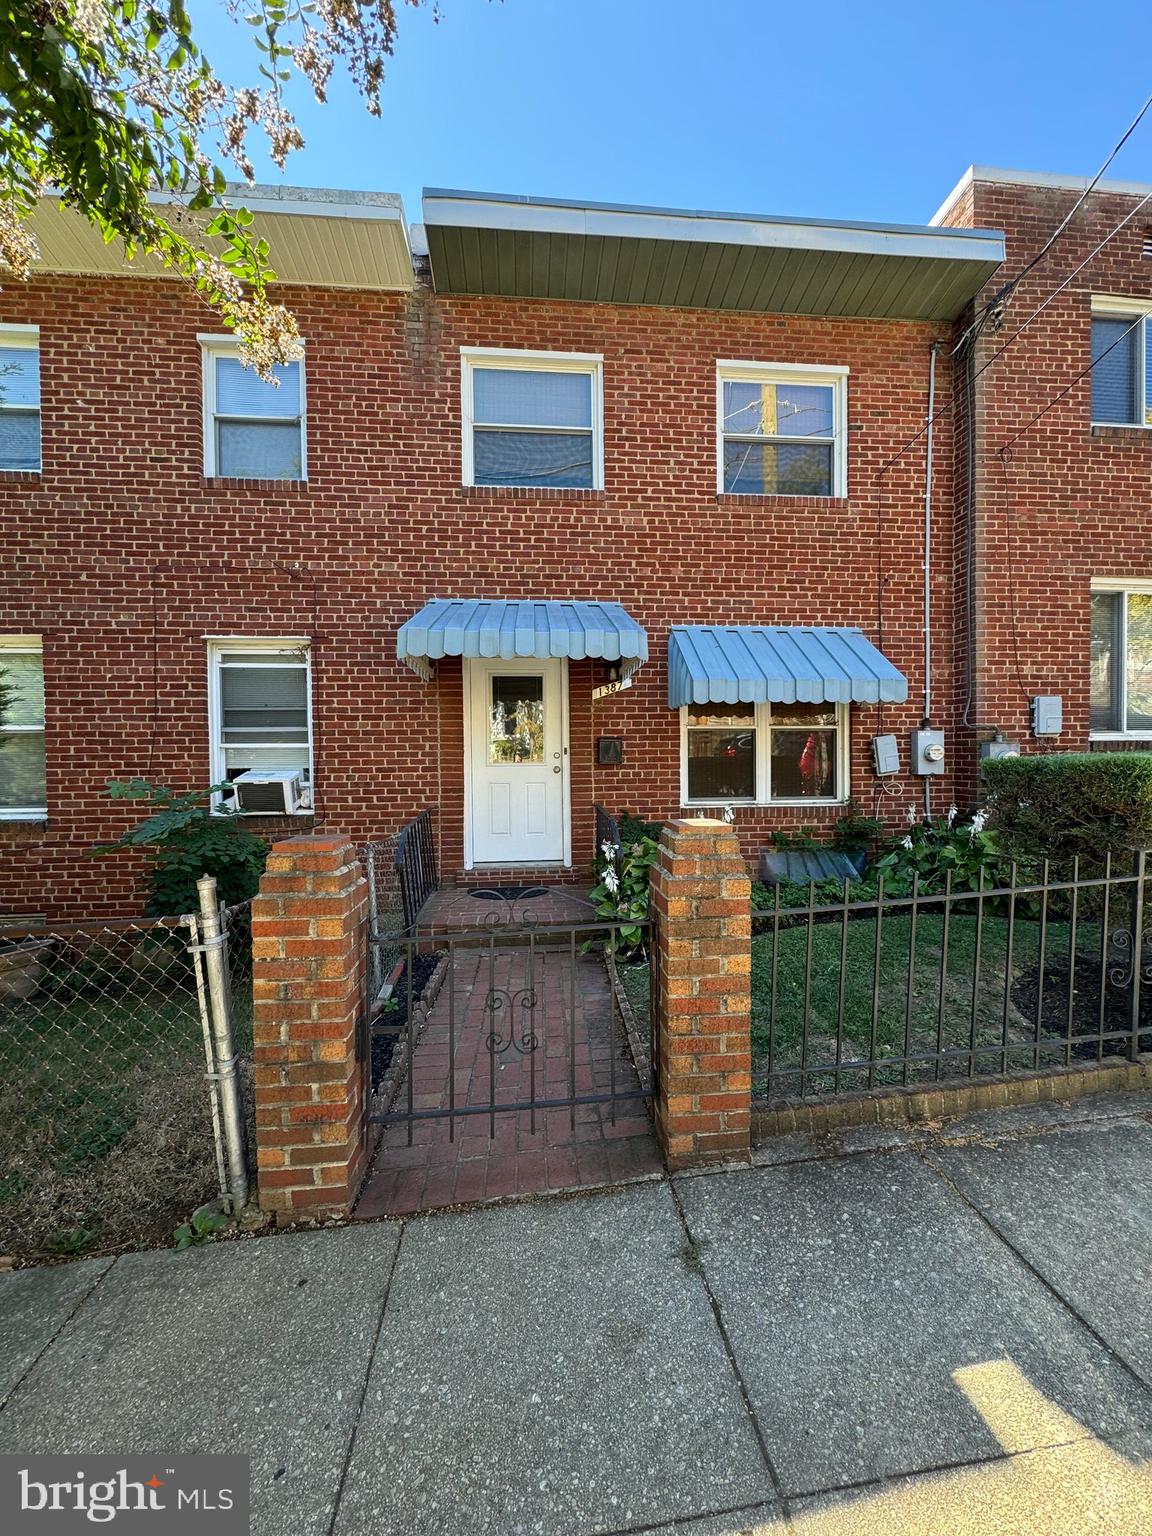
x=608 y=832
x=948 y=984
x=415 y=861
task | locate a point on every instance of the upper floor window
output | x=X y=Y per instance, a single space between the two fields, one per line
x=20 y=397
x=1121 y=676
x=1121 y=362
x=23 y=795
x=253 y=429
x=764 y=753
x=260 y=709
x=532 y=418
x=781 y=430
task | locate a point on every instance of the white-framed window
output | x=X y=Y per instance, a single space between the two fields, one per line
x=23 y=795
x=781 y=429
x=253 y=429
x=1120 y=702
x=20 y=398
x=764 y=754
x=1121 y=361
x=532 y=418
x=260 y=709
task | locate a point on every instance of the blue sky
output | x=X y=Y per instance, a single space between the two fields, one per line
x=850 y=110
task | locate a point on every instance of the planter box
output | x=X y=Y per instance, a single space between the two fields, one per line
x=21 y=967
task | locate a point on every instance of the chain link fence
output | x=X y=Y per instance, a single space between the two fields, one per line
x=107 y=1134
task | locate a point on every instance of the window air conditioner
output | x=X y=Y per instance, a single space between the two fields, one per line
x=271 y=792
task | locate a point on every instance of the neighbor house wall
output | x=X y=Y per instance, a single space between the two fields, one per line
x=1056 y=501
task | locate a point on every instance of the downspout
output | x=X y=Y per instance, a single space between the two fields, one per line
x=928 y=467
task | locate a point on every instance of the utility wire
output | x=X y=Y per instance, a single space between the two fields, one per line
x=1003 y=449
x=1015 y=336
x=1001 y=297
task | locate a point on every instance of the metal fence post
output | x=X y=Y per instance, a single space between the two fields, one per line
x=214 y=942
x=1140 y=871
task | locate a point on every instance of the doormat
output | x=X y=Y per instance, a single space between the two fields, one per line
x=510 y=892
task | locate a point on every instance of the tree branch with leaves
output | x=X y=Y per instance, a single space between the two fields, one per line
x=112 y=106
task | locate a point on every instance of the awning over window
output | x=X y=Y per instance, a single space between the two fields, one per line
x=508 y=630
x=748 y=663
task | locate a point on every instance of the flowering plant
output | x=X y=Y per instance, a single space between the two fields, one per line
x=933 y=847
x=621 y=891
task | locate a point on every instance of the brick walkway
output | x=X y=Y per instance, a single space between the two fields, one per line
x=557 y=1148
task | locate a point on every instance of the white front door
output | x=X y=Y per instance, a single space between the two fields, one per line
x=517 y=762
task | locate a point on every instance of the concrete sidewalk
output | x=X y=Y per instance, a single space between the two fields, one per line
x=870 y=1334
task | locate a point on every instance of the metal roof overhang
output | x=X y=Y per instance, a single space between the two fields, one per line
x=316 y=237
x=755 y=664
x=607 y=253
x=507 y=631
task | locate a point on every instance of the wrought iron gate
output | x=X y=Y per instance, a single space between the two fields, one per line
x=509 y=1017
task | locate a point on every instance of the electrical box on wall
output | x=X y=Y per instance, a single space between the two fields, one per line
x=1047 y=714
x=609 y=751
x=927 y=751
x=990 y=750
x=885 y=755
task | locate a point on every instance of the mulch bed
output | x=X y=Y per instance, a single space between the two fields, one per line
x=391 y=1022
x=1085 y=1006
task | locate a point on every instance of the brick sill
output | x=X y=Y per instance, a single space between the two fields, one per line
x=529 y=493
x=280 y=487
x=1118 y=430
x=23 y=824
x=785 y=503
x=21 y=476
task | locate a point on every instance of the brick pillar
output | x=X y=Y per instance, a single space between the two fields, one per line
x=702 y=899
x=309 y=990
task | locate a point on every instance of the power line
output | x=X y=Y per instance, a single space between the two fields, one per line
x=1055 y=400
x=1000 y=298
x=1000 y=351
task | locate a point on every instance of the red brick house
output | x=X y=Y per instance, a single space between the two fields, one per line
x=1054 y=559
x=565 y=505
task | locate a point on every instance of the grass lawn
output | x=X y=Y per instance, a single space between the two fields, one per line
x=105 y=1126
x=941 y=1009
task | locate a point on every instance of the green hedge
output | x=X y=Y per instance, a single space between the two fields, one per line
x=1065 y=805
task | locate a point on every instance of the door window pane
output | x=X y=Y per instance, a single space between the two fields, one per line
x=722 y=753
x=516 y=720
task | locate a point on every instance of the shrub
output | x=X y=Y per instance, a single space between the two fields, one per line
x=185 y=840
x=1065 y=805
x=855 y=834
x=634 y=829
x=940 y=846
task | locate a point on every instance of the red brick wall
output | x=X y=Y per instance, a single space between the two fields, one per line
x=125 y=559
x=1063 y=503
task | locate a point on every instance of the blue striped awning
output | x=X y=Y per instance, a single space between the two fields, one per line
x=508 y=630
x=752 y=663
